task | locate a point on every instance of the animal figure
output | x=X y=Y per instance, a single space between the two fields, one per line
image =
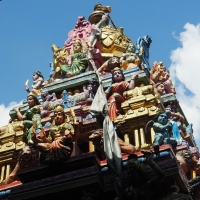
x=27 y=158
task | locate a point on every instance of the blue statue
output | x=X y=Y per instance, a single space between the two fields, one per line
x=142 y=48
x=163 y=130
x=67 y=100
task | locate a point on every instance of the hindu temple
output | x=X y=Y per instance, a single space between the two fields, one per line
x=105 y=125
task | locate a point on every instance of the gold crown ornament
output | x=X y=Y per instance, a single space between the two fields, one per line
x=59 y=108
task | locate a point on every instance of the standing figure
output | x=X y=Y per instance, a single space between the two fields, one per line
x=142 y=48
x=114 y=93
x=129 y=58
x=30 y=117
x=79 y=61
x=58 y=146
x=38 y=80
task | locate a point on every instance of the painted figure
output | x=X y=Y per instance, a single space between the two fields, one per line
x=185 y=159
x=79 y=61
x=114 y=93
x=162 y=128
x=59 y=58
x=129 y=59
x=58 y=146
x=30 y=117
x=142 y=48
x=109 y=65
x=38 y=80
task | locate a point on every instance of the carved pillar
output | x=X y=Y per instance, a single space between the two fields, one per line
x=7 y=170
x=136 y=138
x=143 y=139
x=91 y=146
x=152 y=135
x=2 y=173
x=126 y=138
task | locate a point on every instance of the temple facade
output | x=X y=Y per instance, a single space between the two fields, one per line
x=106 y=124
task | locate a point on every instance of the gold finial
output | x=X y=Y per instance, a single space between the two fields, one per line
x=59 y=108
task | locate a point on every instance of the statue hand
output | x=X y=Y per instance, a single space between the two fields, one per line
x=134 y=77
x=16 y=109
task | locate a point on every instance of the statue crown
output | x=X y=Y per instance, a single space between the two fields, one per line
x=59 y=108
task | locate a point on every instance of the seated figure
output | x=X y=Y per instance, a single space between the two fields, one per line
x=129 y=58
x=38 y=80
x=58 y=145
x=78 y=62
x=162 y=128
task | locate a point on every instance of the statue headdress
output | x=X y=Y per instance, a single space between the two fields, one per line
x=59 y=108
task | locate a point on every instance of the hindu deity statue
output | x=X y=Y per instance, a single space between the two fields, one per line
x=109 y=65
x=185 y=159
x=142 y=48
x=129 y=59
x=58 y=145
x=31 y=117
x=78 y=62
x=114 y=93
x=159 y=74
x=59 y=58
x=162 y=128
x=38 y=80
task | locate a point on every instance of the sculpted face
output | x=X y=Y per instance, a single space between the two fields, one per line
x=35 y=76
x=59 y=118
x=162 y=119
x=31 y=101
x=182 y=163
x=77 y=47
x=114 y=62
x=160 y=89
x=26 y=153
x=131 y=48
x=117 y=76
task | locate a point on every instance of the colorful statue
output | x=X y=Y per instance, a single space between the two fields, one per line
x=142 y=48
x=30 y=117
x=97 y=139
x=109 y=65
x=27 y=158
x=114 y=93
x=78 y=63
x=162 y=128
x=90 y=90
x=59 y=58
x=185 y=160
x=159 y=88
x=48 y=104
x=58 y=145
x=38 y=80
x=129 y=59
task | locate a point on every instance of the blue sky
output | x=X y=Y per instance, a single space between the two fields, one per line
x=29 y=28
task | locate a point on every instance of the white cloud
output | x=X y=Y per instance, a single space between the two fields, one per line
x=185 y=73
x=4 y=112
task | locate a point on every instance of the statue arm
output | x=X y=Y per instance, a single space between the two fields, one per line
x=38 y=84
x=132 y=82
x=160 y=127
x=103 y=67
x=19 y=115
